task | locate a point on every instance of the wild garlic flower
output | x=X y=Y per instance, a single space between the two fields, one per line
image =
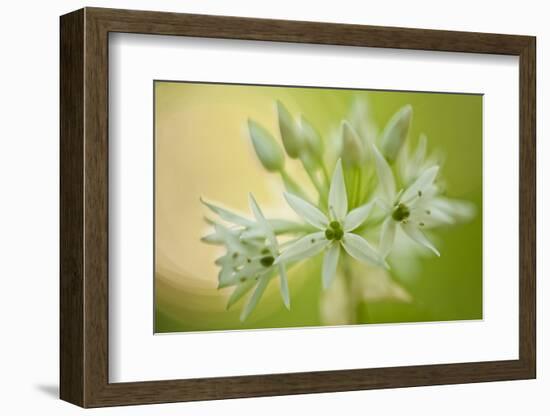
x=251 y=250
x=335 y=231
x=410 y=209
x=345 y=208
x=410 y=165
x=411 y=162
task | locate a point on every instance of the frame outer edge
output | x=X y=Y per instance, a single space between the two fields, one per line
x=528 y=208
x=71 y=336
x=96 y=209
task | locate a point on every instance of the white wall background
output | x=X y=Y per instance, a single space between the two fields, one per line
x=29 y=206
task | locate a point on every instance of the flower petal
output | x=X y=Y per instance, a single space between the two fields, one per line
x=387 y=237
x=255 y=298
x=263 y=222
x=241 y=290
x=386 y=208
x=225 y=277
x=284 y=226
x=385 y=175
x=423 y=182
x=278 y=227
x=212 y=238
x=228 y=215
x=439 y=216
x=284 y=285
x=395 y=132
x=229 y=238
x=414 y=232
x=420 y=152
x=357 y=216
x=358 y=248
x=305 y=247
x=429 y=215
x=249 y=271
x=307 y=211
x=337 y=197
x=455 y=208
x=330 y=262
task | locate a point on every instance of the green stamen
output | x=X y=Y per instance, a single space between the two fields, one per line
x=267 y=261
x=401 y=213
x=335 y=225
x=334 y=231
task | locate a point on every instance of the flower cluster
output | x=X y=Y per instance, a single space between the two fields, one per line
x=371 y=190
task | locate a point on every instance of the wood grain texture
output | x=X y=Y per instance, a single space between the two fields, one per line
x=84 y=207
x=527 y=207
x=71 y=100
x=96 y=208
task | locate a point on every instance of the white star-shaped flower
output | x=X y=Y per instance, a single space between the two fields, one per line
x=335 y=230
x=411 y=209
x=251 y=252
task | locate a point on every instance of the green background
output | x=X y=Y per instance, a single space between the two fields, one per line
x=201 y=150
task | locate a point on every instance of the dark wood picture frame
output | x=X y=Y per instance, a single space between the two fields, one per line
x=84 y=207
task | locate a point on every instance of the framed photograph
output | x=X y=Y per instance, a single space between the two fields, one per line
x=260 y=207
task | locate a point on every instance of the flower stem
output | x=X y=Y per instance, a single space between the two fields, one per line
x=315 y=181
x=325 y=173
x=357 y=190
x=291 y=186
x=352 y=303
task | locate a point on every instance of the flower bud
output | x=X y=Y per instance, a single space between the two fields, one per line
x=395 y=133
x=312 y=139
x=352 y=147
x=268 y=151
x=292 y=141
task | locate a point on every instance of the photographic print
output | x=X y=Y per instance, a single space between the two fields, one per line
x=294 y=206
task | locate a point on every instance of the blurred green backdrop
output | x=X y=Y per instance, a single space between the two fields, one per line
x=202 y=150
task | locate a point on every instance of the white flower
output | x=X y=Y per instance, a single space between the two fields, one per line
x=273 y=247
x=411 y=209
x=251 y=252
x=335 y=231
x=410 y=166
